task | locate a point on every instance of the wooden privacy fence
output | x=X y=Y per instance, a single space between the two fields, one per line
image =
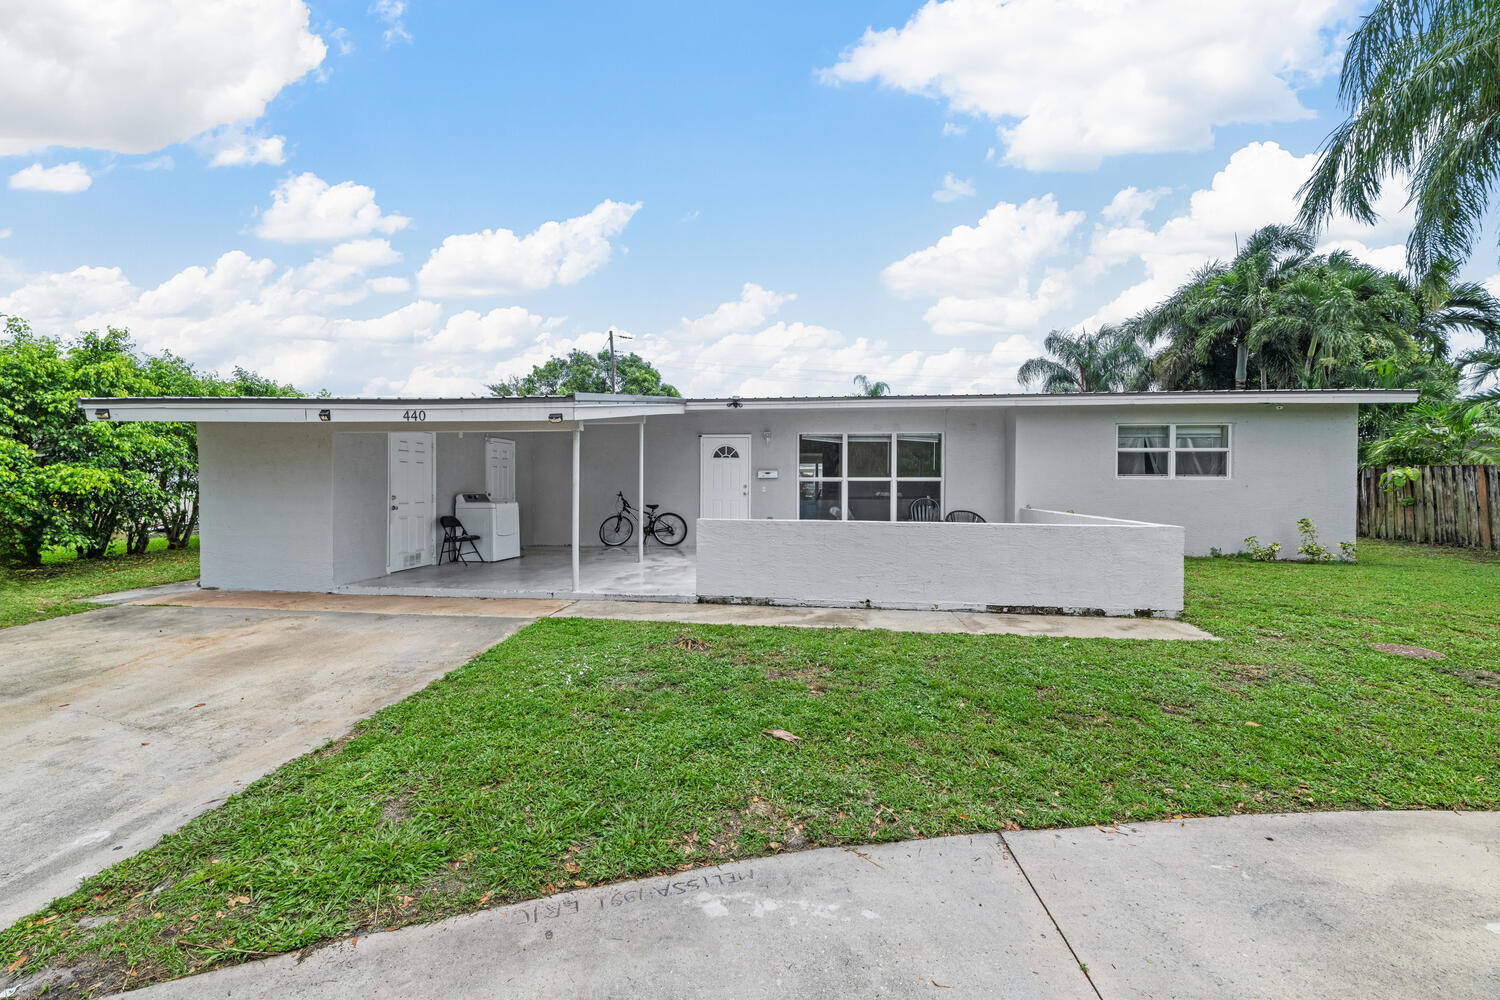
x=1446 y=505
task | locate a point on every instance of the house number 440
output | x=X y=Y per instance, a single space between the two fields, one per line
x=414 y=415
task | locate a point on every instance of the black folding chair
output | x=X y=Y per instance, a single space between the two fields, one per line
x=964 y=517
x=925 y=509
x=454 y=540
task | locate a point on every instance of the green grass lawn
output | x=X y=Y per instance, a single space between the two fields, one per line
x=58 y=586
x=581 y=752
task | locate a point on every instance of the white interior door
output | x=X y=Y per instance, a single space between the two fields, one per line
x=412 y=528
x=724 y=461
x=500 y=469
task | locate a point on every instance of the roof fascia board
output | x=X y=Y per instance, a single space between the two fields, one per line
x=1070 y=400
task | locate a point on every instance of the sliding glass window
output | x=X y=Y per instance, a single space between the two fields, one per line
x=868 y=477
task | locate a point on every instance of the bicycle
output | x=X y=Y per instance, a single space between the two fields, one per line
x=666 y=527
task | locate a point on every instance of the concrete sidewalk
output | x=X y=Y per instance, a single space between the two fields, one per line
x=1250 y=907
x=972 y=623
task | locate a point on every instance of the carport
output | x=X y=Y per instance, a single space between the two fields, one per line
x=346 y=494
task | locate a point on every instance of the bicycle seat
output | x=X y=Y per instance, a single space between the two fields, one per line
x=652 y=506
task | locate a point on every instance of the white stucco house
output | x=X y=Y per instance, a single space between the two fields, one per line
x=1089 y=501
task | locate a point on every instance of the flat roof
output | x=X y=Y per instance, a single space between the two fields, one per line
x=582 y=407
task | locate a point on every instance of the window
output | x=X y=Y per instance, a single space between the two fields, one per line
x=867 y=477
x=1172 y=451
x=726 y=451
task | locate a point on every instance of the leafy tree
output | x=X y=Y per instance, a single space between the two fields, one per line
x=580 y=371
x=1460 y=432
x=1107 y=360
x=868 y=388
x=66 y=481
x=1422 y=85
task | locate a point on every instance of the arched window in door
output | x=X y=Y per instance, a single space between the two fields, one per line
x=726 y=451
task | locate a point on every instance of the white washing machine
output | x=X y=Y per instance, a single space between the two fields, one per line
x=497 y=524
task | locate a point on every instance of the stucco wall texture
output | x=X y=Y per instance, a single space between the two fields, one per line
x=1049 y=562
x=291 y=506
x=1286 y=463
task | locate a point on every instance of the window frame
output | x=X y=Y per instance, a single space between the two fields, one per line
x=893 y=479
x=1172 y=449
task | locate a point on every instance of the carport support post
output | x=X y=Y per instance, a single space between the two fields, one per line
x=576 y=449
x=640 y=494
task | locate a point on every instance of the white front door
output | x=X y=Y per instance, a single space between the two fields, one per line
x=500 y=469
x=411 y=537
x=724 y=460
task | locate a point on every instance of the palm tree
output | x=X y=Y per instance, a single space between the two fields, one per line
x=1220 y=310
x=1445 y=306
x=868 y=388
x=1422 y=85
x=1330 y=316
x=1108 y=360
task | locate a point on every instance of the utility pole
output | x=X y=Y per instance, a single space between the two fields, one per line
x=613 y=385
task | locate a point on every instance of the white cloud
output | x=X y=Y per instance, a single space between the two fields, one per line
x=389 y=284
x=953 y=128
x=1129 y=205
x=414 y=321
x=4 y=234
x=287 y=322
x=163 y=162
x=1257 y=186
x=754 y=306
x=471 y=333
x=65 y=178
x=983 y=274
x=307 y=208
x=498 y=262
x=1073 y=81
x=239 y=146
x=134 y=77
x=393 y=14
x=953 y=189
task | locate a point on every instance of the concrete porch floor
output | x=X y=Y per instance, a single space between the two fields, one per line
x=547 y=572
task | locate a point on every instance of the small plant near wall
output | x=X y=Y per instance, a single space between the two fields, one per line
x=1314 y=550
x=1262 y=553
x=1402 y=477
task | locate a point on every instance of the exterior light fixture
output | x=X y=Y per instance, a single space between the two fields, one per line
x=325 y=415
x=554 y=418
x=765 y=436
x=101 y=414
x=735 y=404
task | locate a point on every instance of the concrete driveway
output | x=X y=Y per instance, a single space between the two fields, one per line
x=122 y=724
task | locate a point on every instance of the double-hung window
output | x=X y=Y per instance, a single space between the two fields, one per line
x=867 y=477
x=1172 y=451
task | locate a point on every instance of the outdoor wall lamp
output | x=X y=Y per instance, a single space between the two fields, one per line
x=325 y=415
x=734 y=404
x=554 y=418
x=765 y=436
x=101 y=414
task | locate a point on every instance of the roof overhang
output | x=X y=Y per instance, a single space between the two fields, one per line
x=544 y=411
x=509 y=411
x=1276 y=397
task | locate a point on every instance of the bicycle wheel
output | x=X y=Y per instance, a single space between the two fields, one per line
x=669 y=529
x=616 y=530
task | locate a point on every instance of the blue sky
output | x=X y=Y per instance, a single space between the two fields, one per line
x=418 y=198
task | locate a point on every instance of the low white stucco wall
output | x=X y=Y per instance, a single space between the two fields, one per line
x=1051 y=561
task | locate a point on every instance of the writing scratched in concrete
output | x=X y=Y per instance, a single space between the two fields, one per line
x=553 y=909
